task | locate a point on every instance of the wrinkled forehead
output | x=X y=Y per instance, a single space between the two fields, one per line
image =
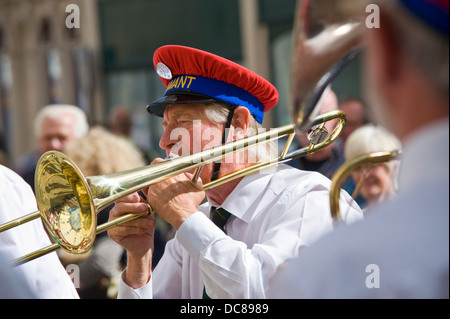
x=195 y=113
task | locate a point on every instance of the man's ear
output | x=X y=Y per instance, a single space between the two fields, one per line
x=240 y=122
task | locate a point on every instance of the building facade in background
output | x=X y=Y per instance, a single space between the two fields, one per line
x=107 y=62
x=42 y=61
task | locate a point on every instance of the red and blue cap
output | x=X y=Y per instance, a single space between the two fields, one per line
x=194 y=76
x=432 y=12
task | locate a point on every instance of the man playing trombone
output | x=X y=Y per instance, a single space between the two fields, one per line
x=267 y=218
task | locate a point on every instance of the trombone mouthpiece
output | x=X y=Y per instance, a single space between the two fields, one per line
x=172 y=156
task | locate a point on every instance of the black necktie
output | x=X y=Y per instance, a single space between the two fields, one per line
x=219 y=216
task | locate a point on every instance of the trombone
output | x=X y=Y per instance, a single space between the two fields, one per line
x=69 y=202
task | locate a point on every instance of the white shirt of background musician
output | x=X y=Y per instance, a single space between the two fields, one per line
x=46 y=275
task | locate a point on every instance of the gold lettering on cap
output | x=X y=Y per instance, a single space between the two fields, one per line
x=181 y=82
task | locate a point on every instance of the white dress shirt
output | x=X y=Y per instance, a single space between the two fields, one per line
x=400 y=250
x=13 y=287
x=275 y=214
x=46 y=275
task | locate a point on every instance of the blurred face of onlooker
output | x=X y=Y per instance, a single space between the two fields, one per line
x=57 y=132
x=330 y=103
x=378 y=182
x=354 y=110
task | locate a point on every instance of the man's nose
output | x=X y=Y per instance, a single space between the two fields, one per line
x=166 y=142
x=56 y=144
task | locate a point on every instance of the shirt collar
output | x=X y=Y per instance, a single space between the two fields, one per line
x=245 y=194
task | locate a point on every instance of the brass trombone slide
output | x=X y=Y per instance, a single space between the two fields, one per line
x=69 y=202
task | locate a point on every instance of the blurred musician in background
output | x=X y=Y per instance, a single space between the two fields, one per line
x=45 y=276
x=402 y=249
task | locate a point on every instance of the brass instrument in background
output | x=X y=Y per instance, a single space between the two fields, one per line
x=346 y=169
x=326 y=31
x=326 y=37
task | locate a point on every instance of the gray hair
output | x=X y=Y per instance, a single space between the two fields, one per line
x=217 y=112
x=81 y=126
x=370 y=138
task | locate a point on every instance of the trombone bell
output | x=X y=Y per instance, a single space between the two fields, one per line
x=65 y=202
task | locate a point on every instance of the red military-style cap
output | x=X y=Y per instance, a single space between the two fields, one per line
x=195 y=76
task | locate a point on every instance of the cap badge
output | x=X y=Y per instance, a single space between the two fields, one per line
x=163 y=71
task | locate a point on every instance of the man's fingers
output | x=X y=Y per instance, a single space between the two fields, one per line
x=132 y=198
x=196 y=180
x=157 y=160
x=138 y=226
x=122 y=208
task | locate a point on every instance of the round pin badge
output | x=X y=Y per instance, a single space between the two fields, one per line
x=163 y=71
